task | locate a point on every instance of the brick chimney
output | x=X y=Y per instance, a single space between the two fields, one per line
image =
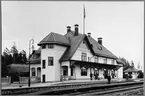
x=76 y=30
x=89 y=34
x=68 y=29
x=100 y=40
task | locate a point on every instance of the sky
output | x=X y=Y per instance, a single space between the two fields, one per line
x=120 y=24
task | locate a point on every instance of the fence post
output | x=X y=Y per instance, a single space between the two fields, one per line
x=9 y=80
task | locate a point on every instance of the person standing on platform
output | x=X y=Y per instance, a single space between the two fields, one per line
x=109 y=79
x=91 y=76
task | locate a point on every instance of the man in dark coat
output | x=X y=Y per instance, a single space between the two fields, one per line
x=109 y=79
x=91 y=76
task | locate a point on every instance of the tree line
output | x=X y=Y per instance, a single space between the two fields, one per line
x=12 y=56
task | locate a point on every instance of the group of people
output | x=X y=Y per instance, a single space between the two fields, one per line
x=96 y=77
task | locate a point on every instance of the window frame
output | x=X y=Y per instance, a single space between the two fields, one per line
x=43 y=64
x=33 y=71
x=105 y=60
x=84 y=56
x=50 y=46
x=96 y=59
x=52 y=62
x=112 y=61
x=84 y=72
x=43 y=46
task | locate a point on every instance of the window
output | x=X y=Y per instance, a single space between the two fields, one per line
x=50 y=46
x=50 y=61
x=43 y=64
x=105 y=60
x=33 y=72
x=84 y=57
x=83 y=71
x=89 y=59
x=71 y=71
x=43 y=46
x=96 y=59
x=112 y=61
x=65 y=71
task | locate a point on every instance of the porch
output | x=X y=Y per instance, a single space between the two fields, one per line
x=75 y=70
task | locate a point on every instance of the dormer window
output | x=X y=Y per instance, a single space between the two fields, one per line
x=50 y=46
x=100 y=47
x=43 y=46
x=105 y=60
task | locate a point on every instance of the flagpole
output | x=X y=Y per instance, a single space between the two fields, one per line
x=84 y=20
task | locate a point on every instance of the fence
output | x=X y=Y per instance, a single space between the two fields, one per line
x=6 y=80
x=24 y=80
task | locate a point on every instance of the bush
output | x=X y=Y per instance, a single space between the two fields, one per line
x=140 y=74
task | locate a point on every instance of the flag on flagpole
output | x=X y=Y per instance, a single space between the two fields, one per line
x=84 y=12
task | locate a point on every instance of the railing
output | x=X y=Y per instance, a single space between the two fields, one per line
x=25 y=79
x=6 y=80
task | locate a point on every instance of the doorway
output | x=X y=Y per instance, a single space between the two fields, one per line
x=105 y=73
x=43 y=78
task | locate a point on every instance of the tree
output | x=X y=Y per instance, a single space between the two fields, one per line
x=19 y=58
x=132 y=63
x=140 y=74
x=138 y=66
x=126 y=63
x=3 y=66
x=24 y=59
x=7 y=57
x=14 y=49
x=15 y=54
x=6 y=60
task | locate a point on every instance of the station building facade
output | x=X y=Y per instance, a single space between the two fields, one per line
x=73 y=56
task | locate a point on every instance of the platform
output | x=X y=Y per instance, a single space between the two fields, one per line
x=102 y=81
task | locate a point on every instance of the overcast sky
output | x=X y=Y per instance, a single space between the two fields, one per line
x=120 y=24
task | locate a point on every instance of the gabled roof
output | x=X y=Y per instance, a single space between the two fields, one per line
x=55 y=38
x=74 y=42
x=131 y=69
x=99 y=49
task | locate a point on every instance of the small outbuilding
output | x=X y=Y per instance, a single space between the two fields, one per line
x=132 y=71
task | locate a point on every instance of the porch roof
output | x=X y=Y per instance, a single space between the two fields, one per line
x=94 y=64
x=131 y=69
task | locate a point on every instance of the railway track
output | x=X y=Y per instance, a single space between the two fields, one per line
x=94 y=89
x=69 y=88
x=107 y=91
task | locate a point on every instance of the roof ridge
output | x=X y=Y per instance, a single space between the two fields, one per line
x=53 y=36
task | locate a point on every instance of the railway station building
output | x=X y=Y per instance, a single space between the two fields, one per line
x=73 y=56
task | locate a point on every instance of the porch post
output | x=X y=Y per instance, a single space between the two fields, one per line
x=69 y=71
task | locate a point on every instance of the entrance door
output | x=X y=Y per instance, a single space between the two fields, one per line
x=105 y=73
x=43 y=78
x=73 y=72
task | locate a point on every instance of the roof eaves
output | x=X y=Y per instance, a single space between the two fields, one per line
x=104 y=55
